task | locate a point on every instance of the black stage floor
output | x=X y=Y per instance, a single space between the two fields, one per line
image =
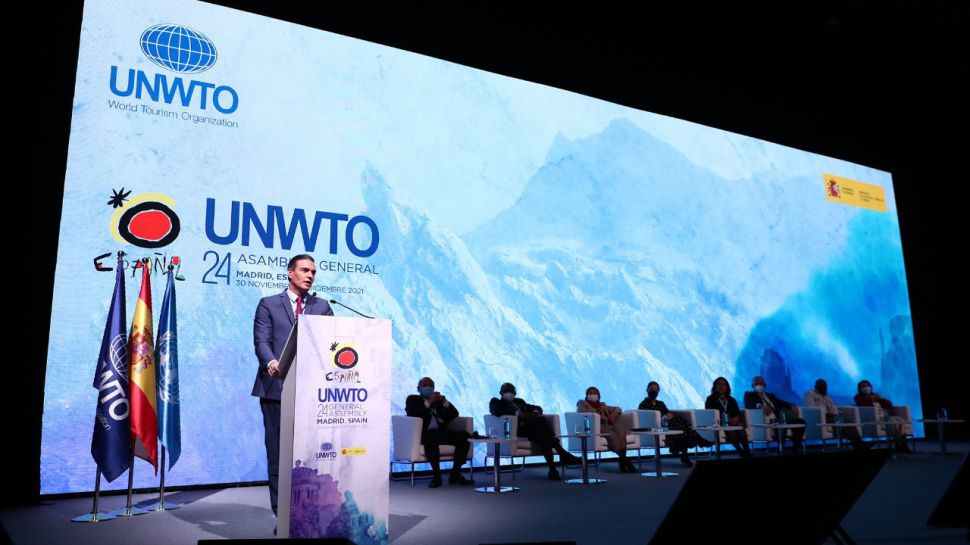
x=625 y=510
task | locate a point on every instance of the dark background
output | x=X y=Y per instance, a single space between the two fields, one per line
x=884 y=84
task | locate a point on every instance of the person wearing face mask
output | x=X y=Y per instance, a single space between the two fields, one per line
x=437 y=412
x=532 y=426
x=868 y=398
x=773 y=408
x=819 y=397
x=611 y=423
x=721 y=400
x=678 y=444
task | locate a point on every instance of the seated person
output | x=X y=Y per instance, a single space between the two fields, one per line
x=532 y=426
x=678 y=444
x=437 y=412
x=819 y=397
x=774 y=408
x=610 y=423
x=721 y=400
x=867 y=398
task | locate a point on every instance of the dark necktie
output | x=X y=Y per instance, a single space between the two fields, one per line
x=299 y=306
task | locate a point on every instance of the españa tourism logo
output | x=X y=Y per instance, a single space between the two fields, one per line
x=146 y=220
x=344 y=355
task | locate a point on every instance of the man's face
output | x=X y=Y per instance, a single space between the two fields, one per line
x=821 y=387
x=425 y=383
x=301 y=276
x=758 y=381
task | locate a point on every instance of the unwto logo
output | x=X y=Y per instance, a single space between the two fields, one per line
x=179 y=49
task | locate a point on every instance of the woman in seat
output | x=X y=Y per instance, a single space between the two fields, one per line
x=610 y=423
x=721 y=400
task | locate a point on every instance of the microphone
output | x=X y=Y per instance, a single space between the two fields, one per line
x=336 y=302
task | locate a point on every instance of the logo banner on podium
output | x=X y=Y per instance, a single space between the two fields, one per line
x=339 y=388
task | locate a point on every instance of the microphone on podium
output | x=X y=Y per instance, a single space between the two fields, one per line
x=336 y=302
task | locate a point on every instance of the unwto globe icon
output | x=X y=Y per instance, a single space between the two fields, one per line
x=178 y=48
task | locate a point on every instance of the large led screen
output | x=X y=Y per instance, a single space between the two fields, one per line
x=511 y=231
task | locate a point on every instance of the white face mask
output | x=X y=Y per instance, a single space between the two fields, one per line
x=759 y=388
x=593 y=397
x=508 y=396
x=866 y=390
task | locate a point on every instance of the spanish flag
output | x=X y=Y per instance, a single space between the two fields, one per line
x=141 y=352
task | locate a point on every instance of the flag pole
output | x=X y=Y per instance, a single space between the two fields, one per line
x=162 y=505
x=95 y=515
x=129 y=510
x=162 y=386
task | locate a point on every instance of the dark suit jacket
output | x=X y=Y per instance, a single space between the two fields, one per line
x=414 y=406
x=732 y=407
x=271 y=327
x=751 y=400
x=862 y=400
x=653 y=405
x=499 y=407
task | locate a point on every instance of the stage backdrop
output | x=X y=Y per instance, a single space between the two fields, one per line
x=510 y=231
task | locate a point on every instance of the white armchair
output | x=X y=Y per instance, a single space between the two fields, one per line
x=754 y=421
x=906 y=414
x=850 y=415
x=814 y=416
x=515 y=450
x=406 y=436
x=699 y=418
x=595 y=444
x=647 y=419
x=874 y=418
x=869 y=419
x=631 y=419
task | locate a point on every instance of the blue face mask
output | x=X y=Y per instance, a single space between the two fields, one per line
x=426 y=391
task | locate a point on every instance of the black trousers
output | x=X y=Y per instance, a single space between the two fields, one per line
x=849 y=433
x=271 y=427
x=797 y=434
x=539 y=431
x=432 y=439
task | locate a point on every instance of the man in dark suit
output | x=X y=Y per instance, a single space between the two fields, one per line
x=532 y=426
x=275 y=316
x=437 y=412
x=774 y=408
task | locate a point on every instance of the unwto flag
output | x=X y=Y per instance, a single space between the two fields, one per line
x=111 y=442
x=144 y=426
x=167 y=377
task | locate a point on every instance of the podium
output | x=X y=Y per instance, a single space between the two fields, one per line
x=335 y=424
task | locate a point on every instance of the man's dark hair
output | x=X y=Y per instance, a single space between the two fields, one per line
x=292 y=264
